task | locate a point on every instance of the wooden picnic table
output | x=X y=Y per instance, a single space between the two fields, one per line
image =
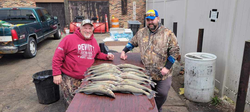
x=122 y=102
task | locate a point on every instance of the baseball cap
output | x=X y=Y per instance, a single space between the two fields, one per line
x=151 y=14
x=86 y=21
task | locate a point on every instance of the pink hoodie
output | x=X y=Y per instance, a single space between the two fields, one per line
x=75 y=54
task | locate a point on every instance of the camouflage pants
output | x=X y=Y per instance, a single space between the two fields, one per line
x=68 y=86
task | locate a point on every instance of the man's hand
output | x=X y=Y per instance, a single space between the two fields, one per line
x=123 y=55
x=57 y=79
x=164 y=71
x=110 y=56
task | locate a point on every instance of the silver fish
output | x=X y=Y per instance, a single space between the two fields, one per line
x=97 y=85
x=137 y=81
x=101 y=90
x=132 y=70
x=105 y=71
x=111 y=70
x=131 y=89
x=94 y=75
x=131 y=76
x=104 y=65
x=126 y=82
x=138 y=74
x=104 y=82
x=103 y=68
x=103 y=78
x=130 y=66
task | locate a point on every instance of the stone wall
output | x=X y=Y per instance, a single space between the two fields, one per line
x=116 y=10
x=17 y=3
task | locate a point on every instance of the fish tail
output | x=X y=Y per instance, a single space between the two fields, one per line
x=90 y=69
x=89 y=72
x=150 y=95
x=112 y=95
x=153 y=92
x=86 y=79
x=152 y=83
x=144 y=76
x=149 y=85
x=76 y=91
x=150 y=78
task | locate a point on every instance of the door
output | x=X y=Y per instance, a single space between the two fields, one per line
x=49 y=22
x=43 y=23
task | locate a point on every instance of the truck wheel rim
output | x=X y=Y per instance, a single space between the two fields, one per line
x=32 y=47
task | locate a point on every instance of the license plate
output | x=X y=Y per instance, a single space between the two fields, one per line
x=5 y=38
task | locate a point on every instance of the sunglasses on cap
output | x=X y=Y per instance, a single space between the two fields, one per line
x=150 y=14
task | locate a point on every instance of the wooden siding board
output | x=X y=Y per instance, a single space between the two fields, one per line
x=89 y=9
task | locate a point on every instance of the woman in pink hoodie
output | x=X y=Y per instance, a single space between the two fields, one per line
x=73 y=56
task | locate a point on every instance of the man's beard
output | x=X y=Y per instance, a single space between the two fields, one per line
x=87 y=37
x=151 y=27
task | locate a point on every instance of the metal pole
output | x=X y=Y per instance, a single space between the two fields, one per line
x=66 y=9
x=244 y=78
x=200 y=40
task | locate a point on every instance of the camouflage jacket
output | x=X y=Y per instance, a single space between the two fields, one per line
x=155 y=49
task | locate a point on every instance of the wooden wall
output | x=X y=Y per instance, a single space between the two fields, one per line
x=89 y=9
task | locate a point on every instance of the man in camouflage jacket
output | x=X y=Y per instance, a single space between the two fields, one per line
x=159 y=49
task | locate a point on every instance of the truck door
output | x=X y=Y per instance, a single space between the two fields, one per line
x=49 y=21
x=45 y=19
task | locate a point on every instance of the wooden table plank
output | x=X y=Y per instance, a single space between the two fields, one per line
x=122 y=103
x=133 y=58
x=116 y=43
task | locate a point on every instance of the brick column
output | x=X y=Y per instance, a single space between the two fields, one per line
x=115 y=10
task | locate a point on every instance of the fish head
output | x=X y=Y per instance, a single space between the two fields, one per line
x=112 y=94
x=111 y=86
x=118 y=78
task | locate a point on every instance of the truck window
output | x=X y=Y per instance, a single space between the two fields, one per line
x=46 y=14
x=40 y=14
x=22 y=16
x=43 y=14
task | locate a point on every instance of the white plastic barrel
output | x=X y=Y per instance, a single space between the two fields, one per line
x=199 y=76
x=67 y=31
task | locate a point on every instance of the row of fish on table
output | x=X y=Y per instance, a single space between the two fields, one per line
x=105 y=79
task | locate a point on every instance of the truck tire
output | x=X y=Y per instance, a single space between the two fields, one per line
x=58 y=34
x=31 y=49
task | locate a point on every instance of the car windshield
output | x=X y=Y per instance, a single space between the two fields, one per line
x=12 y=16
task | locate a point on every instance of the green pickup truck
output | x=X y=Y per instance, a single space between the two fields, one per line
x=22 y=28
